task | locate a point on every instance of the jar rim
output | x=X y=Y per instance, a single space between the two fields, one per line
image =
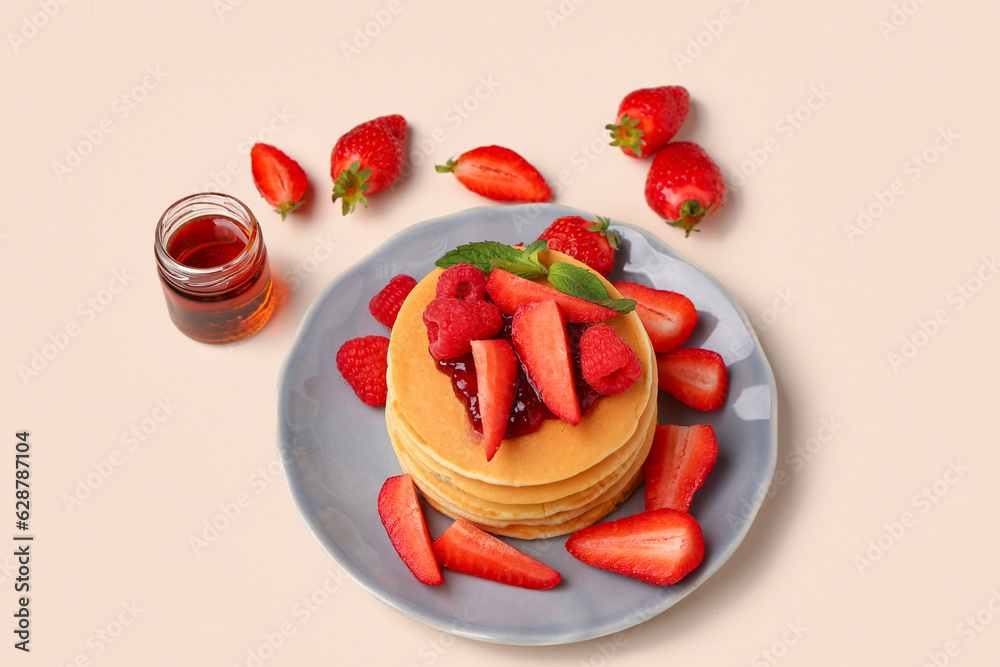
x=230 y=207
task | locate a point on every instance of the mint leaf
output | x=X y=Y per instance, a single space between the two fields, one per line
x=489 y=255
x=579 y=282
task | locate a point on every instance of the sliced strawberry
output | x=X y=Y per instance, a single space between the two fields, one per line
x=588 y=241
x=279 y=179
x=695 y=377
x=452 y=325
x=658 y=547
x=607 y=362
x=678 y=463
x=496 y=376
x=508 y=291
x=385 y=305
x=461 y=281
x=464 y=548
x=542 y=343
x=399 y=509
x=499 y=174
x=668 y=317
x=363 y=362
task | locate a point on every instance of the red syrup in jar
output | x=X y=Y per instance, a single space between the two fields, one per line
x=527 y=411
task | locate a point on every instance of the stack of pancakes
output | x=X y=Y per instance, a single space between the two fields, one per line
x=553 y=481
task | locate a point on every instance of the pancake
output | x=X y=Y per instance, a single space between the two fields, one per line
x=554 y=480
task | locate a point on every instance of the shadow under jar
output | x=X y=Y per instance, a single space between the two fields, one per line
x=213 y=267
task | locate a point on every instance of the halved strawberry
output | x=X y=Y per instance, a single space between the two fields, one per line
x=279 y=179
x=464 y=548
x=542 y=343
x=668 y=317
x=695 y=377
x=496 y=377
x=452 y=325
x=607 y=362
x=508 y=291
x=658 y=547
x=678 y=463
x=399 y=509
x=499 y=174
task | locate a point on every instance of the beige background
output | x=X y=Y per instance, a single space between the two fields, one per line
x=879 y=542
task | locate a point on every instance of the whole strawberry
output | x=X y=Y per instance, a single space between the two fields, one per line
x=279 y=179
x=588 y=241
x=684 y=185
x=648 y=118
x=367 y=159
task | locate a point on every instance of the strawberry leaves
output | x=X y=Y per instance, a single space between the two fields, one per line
x=567 y=278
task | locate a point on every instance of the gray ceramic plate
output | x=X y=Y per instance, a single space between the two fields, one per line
x=336 y=453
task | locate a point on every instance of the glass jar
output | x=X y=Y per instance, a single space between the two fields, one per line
x=213 y=267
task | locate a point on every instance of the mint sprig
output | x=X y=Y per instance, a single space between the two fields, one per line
x=567 y=278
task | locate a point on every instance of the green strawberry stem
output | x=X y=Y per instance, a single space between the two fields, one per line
x=691 y=213
x=350 y=187
x=287 y=207
x=447 y=167
x=627 y=134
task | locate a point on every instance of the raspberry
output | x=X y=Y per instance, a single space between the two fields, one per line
x=452 y=325
x=363 y=363
x=462 y=281
x=384 y=306
x=608 y=364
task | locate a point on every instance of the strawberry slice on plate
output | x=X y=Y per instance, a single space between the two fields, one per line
x=678 y=463
x=464 y=548
x=279 y=179
x=668 y=317
x=399 y=509
x=658 y=547
x=499 y=174
x=542 y=344
x=697 y=378
x=496 y=376
x=508 y=291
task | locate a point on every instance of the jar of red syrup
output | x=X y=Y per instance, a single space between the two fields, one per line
x=213 y=267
